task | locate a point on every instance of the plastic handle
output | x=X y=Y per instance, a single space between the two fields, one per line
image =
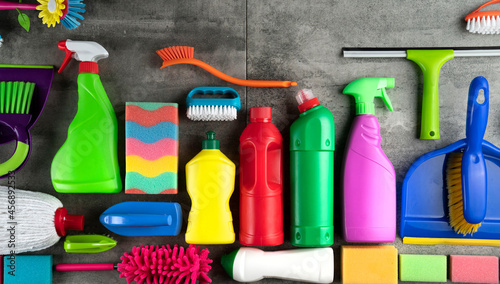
x=486 y=4
x=473 y=167
x=430 y=61
x=69 y=54
x=225 y=77
x=386 y=99
x=482 y=15
x=85 y=267
x=137 y=220
x=17 y=123
x=5 y=5
x=17 y=159
x=235 y=101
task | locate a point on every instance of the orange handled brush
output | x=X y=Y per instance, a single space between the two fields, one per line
x=184 y=55
x=484 y=22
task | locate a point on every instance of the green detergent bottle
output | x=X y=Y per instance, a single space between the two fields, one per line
x=87 y=161
x=312 y=143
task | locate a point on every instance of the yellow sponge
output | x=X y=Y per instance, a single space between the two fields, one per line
x=369 y=264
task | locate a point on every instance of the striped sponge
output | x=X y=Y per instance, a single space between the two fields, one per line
x=151 y=148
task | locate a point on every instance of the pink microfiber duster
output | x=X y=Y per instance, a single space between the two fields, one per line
x=154 y=264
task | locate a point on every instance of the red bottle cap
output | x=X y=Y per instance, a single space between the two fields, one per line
x=64 y=221
x=306 y=100
x=261 y=114
x=88 y=67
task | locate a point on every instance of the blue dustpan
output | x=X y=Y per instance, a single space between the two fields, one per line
x=424 y=209
x=141 y=219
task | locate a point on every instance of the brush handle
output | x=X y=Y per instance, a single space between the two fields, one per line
x=6 y=5
x=430 y=61
x=208 y=101
x=225 y=77
x=85 y=267
x=486 y=4
x=473 y=167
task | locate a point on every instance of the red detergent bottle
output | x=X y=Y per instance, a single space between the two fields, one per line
x=261 y=181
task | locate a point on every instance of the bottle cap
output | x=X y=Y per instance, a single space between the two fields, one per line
x=210 y=142
x=306 y=100
x=88 y=67
x=261 y=114
x=64 y=221
x=227 y=262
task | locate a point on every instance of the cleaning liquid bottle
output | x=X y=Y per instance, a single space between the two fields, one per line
x=369 y=180
x=210 y=177
x=312 y=143
x=314 y=265
x=261 y=181
x=87 y=161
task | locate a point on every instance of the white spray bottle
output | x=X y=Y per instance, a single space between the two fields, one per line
x=314 y=265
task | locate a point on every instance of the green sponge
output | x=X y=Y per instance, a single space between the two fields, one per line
x=422 y=268
x=22 y=269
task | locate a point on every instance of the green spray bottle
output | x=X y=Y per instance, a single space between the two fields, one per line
x=87 y=161
x=312 y=143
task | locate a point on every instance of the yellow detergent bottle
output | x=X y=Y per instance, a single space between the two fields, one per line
x=210 y=179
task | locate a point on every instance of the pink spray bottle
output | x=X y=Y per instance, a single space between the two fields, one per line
x=368 y=177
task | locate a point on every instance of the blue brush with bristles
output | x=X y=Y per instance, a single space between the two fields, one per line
x=72 y=12
x=212 y=109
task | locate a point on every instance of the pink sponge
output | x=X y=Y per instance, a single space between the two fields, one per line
x=474 y=269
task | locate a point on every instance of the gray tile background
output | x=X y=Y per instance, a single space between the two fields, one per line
x=289 y=40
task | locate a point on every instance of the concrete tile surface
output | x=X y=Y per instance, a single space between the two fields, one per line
x=277 y=40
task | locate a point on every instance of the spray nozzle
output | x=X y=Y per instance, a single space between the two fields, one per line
x=364 y=91
x=85 y=51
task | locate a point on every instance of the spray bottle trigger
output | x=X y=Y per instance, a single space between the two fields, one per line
x=69 y=54
x=386 y=99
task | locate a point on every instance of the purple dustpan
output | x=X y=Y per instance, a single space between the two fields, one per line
x=16 y=127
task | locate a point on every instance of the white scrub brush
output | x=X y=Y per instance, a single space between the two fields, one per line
x=32 y=221
x=485 y=22
x=213 y=109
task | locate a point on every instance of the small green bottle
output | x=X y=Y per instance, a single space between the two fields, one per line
x=312 y=143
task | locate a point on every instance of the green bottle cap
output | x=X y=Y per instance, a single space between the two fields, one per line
x=227 y=262
x=364 y=90
x=210 y=142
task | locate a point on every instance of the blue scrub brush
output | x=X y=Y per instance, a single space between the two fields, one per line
x=72 y=12
x=213 y=109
